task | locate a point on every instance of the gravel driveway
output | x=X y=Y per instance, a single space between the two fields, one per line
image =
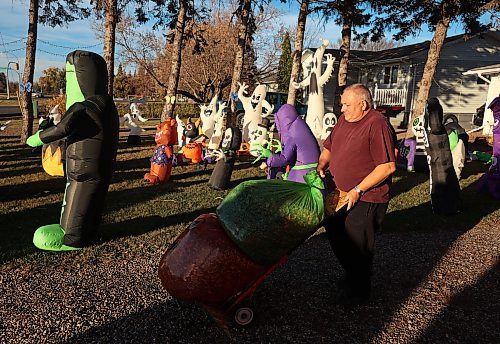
x=434 y=287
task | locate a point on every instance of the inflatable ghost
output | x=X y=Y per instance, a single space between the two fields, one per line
x=253 y=106
x=225 y=156
x=161 y=161
x=218 y=129
x=444 y=186
x=90 y=126
x=132 y=119
x=208 y=117
x=316 y=80
x=329 y=122
x=181 y=130
x=459 y=139
x=300 y=150
x=490 y=181
x=259 y=137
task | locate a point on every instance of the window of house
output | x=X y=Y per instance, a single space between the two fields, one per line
x=391 y=75
x=480 y=81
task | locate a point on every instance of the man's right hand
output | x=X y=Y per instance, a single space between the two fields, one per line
x=321 y=171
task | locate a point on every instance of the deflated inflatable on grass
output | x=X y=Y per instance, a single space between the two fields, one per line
x=203 y=265
x=267 y=219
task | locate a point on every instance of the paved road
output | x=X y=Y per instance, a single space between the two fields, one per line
x=10 y=111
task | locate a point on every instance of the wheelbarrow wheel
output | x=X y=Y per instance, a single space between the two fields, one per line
x=243 y=316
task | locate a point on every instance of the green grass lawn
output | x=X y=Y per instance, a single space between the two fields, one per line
x=142 y=219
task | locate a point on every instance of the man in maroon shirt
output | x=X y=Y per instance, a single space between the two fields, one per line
x=360 y=155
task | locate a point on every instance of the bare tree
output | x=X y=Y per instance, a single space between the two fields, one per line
x=29 y=69
x=297 y=52
x=438 y=15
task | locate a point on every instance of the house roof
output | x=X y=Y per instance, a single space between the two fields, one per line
x=486 y=70
x=362 y=56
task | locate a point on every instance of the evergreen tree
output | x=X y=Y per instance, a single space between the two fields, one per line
x=285 y=64
x=121 y=83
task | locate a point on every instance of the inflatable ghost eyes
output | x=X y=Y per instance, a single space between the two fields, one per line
x=329 y=122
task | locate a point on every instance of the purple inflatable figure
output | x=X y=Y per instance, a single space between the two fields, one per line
x=300 y=148
x=490 y=181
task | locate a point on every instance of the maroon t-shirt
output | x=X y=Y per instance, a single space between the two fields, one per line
x=357 y=148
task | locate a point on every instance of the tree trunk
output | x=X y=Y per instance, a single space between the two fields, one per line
x=239 y=59
x=26 y=101
x=175 y=71
x=345 y=49
x=297 y=53
x=109 y=41
x=429 y=70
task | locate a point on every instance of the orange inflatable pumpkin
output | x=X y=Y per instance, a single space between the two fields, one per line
x=244 y=149
x=193 y=152
x=161 y=161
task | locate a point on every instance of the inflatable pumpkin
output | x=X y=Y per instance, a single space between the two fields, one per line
x=193 y=152
x=161 y=161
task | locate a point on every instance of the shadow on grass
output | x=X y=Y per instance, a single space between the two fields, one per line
x=141 y=225
x=18 y=229
x=31 y=190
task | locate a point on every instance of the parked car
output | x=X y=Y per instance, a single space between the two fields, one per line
x=38 y=94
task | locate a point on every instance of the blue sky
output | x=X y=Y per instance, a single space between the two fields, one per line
x=54 y=43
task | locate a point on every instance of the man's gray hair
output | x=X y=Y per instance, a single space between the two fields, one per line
x=362 y=91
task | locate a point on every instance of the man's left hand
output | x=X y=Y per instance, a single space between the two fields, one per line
x=352 y=197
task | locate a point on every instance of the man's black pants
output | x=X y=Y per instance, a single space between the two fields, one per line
x=352 y=237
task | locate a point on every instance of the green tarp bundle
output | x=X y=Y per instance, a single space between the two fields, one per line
x=267 y=219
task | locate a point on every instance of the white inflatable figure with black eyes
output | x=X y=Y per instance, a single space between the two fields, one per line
x=207 y=115
x=329 y=121
x=132 y=119
x=256 y=107
x=181 y=131
x=258 y=136
x=316 y=81
x=218 y=131
x=55 y=114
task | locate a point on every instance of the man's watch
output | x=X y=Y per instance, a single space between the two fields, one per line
x=359 y=191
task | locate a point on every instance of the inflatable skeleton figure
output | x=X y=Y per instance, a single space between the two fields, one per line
x=225 y=157
x=90 y=127
x=208 y=117
x=316 y=80
x=444 y=186
x=254 y=108
x=132 y=119
x=329 y=122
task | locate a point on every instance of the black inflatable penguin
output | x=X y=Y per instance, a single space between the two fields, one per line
x=90 y=126
x=445 y=189
x=221 y=175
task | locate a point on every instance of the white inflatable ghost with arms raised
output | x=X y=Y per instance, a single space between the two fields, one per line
x=207 y=115
x=253 y=107
x=218 y=132
x=316 y=81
